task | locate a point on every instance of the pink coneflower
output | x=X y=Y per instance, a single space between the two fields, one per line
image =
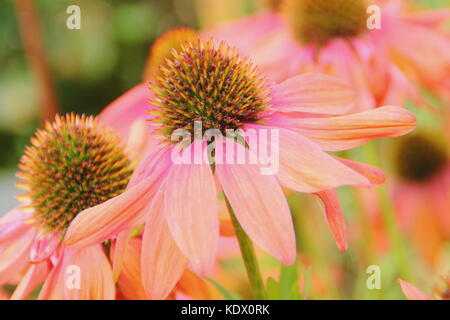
x=72 y=164
x=385 y=65
x=413 y=293
x=212 y=83
x=421 y=192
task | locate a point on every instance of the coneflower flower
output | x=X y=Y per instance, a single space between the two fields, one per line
x=72 y=164
x=421 y=192
x=210 y=82
x=377 y=52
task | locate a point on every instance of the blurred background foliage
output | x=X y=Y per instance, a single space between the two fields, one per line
x=93 y=66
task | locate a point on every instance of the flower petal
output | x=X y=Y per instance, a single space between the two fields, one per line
x=191 y=210
x=101 y=222
x=411 y=292
x=313 y=93
x=80 y=275
x=375 y=175
x=304 y=167
x=122 y=112
x=349 y=131
x=259 y=205
x=162 y=262
x=130 y=281
x=334 y=216
x=35 y=275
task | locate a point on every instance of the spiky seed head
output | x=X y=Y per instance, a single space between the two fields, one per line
x=161 y=49
x=212 y=83
x=419 y=158
x=72 y=164
x=318 y=21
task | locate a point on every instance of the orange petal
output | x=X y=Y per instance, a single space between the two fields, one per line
x=259 y=205
x=162 y=262
x=80 y=275
x=334 y=217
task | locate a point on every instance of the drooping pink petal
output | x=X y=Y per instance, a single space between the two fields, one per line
x=120 y=247
x=411 y=292
x=130 y=281
x=191 y=210
x=35 y=275
x=314 y=93
x=259 y=205
x=101 y=222
x=15 y=255
x=80 y=275
x=13 y=224
x=349 y=131
x=162 y=262
x=429 y=18
x=122 y=112
x=334 y=217
x=373 y=174
x=340 y=56
x=304 y=167
x=257 y=28
x=44 y=247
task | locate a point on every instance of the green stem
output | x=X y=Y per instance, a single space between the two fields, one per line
x=249 y=257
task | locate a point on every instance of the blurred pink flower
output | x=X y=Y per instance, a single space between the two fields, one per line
x=179 y=202
x=412 y=48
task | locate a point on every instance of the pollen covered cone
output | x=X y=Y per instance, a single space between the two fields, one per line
x=370 y=44
x=72 y=164
x=161 y=49
x=210 y=83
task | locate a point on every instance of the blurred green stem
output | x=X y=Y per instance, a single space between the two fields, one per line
x=249 y=256
x=388 y=215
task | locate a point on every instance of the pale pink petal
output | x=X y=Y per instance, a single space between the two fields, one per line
x=349 y=131
x=304 y=167
x=313 y=93
x=130 y=281
x=90 y=266
x=120 y=248
x=259 y=205
x=373 y=174
x=340 y=57
x=99 y=223
x=191 y=210
x=162 y=262
x=15 y=255
x=102 y=222
x=122 y=112
x=334 y=216
x=44 y=246
x=257 y=29
x=429 y=18
x=35 y=275
x=13 y=224
x=411 y=292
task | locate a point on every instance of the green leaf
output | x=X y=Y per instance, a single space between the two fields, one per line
x=228 y=295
